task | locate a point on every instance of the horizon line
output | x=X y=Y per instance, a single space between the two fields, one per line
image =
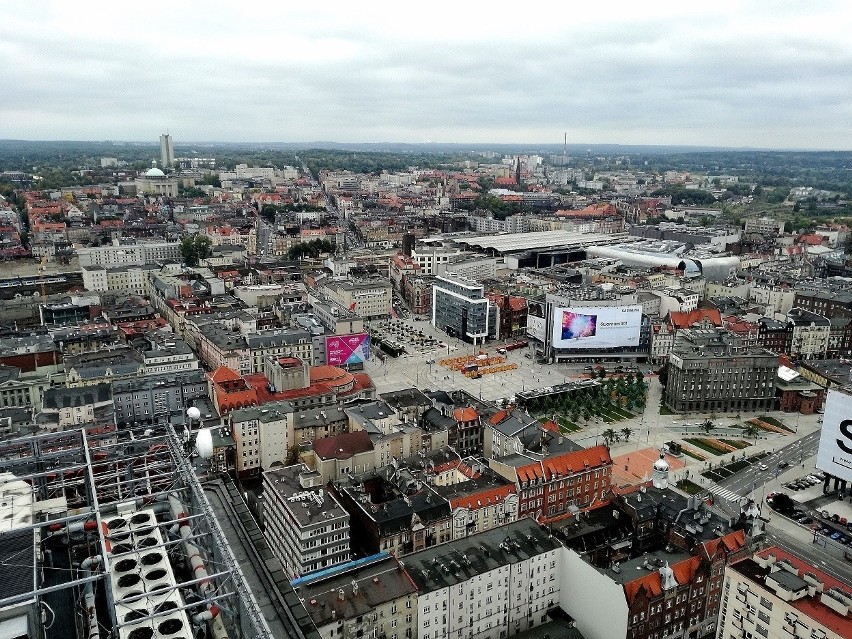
x=320 y=143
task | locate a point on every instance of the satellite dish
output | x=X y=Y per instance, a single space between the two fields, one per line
x=204 y=443
x=193 y=413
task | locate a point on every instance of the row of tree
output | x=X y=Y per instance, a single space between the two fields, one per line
x=626 y=392
x=312 y=249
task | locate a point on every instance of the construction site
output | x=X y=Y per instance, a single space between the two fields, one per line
x=111 y=536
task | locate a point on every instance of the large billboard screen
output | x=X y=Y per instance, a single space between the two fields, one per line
x=596 y=326
x=835 y=443
x=347 y=349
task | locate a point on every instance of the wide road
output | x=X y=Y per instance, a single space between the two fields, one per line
x=828 y=559
x=794 y=454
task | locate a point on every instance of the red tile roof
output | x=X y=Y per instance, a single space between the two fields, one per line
x=685 y=320
x=498 y=417
x=684 y=571
x=468 y=414
x=812 y=240
x=223 y=374
x=651 y=583
x=566 y=463
x=812 y=606
x=342 y=446
x=551 y=426
x=733 y=542
x=487 y=496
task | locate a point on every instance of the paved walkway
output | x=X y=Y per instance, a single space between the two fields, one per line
x=630 y=468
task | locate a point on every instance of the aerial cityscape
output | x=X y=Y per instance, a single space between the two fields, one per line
x=519 y=351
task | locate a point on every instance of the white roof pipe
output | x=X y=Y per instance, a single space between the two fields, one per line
x=199 y=571
x=89 y=609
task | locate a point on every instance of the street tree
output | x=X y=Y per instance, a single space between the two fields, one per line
x=194 y=248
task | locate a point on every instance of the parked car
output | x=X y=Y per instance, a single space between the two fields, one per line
x=763 y=467
x=806 y=521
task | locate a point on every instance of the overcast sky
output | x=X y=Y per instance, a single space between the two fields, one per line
x=770 y=74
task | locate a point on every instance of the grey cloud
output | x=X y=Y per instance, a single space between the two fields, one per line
x=680 y=82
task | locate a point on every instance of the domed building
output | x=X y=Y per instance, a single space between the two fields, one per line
x=155 y=182
x=660 y=476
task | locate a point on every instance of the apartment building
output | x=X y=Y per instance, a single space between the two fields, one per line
x=393 y=511
x=827 y=301
x=305 y=526
x=278 y=343
x=121 y=255
x=146 y=399
x=263 y=435
x=776 y=595
x=369 y=299
x=21 y=392
x=550 y=486
x=369 y=598
x=766 y=226
x=129 y=280
x=480 y=502
x=490 y=585
x=809 y=334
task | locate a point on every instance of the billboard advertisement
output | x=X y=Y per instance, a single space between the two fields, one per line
x=347 y=349
x=536 y=327
x=835 y=443
x=597 y=326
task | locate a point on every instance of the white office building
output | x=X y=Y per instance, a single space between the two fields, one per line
x=306 y=527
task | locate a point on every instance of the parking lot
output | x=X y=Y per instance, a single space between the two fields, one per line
x=825 y=514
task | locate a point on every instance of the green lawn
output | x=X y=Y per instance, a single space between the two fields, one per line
x=705 y=447
x=736 y=443
x=775 y=422
x=623 y=412
x=567 y=426
x=693 y=455
x=689 y=487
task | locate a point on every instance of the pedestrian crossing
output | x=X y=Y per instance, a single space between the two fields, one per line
x=724 y=493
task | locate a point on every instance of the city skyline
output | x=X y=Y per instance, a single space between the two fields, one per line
x=731 y=75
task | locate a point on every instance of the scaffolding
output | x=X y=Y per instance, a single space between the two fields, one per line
x=110 y=535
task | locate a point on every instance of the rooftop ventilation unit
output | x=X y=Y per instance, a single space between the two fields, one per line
x=143 y=583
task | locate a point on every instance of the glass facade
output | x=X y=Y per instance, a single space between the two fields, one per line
x=459 y=308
